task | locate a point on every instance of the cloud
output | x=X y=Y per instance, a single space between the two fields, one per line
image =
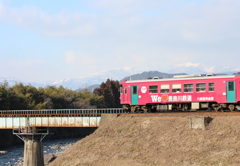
x=26 y=69
x=85 y=63
x=161 y=33
x=1 y=9
x=193 y=21
x=70 y=57
x=26 y=62
x=189 y=64
x=210 y=21
x=62 y=24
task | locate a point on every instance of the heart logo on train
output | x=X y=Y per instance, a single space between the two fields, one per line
x=164 y=98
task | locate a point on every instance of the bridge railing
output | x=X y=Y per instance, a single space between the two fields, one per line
x=60 y=112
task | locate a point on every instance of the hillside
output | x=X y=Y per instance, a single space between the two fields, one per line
x=154 y=141
x=93 y=81
x=140 y=76
x=146 y=75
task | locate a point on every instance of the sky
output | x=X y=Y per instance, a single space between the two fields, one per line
x=52 y=40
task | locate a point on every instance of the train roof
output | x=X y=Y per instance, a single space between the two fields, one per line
x=184 y=77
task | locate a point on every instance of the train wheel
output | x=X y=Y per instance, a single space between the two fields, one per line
x=231 y=107
x=133 y=109
x=144 y=109
x=217 y=107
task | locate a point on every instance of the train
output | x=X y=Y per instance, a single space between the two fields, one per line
x=195 y=92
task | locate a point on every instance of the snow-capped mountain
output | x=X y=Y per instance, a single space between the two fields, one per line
x=120 y=73
x=192 y=68
x=96 y=78
x=11 y=81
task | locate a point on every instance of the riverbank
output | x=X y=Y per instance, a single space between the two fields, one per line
x=153 y=141
x=11 y=147
x=7 y=139
x=51 y=150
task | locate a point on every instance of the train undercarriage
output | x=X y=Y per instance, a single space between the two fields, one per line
x=210 y=107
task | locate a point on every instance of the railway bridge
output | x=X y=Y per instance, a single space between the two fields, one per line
x=32 y=126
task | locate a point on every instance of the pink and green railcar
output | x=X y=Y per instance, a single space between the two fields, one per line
x=183 y=92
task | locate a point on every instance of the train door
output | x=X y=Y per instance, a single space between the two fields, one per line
x=124 y=98
x=231 y=91
x=134 y=92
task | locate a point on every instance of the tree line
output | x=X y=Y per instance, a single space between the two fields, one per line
x=27 y=97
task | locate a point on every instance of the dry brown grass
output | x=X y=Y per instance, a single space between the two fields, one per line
x=154 y=141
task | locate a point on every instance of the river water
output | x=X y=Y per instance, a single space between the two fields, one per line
x=14 y=155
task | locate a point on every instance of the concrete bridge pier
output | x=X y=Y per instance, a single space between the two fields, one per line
x=33 y=148
x=33 y=151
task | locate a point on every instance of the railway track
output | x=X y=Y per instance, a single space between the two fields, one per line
x=98 y=112
x=182 y=114
x=61 y=112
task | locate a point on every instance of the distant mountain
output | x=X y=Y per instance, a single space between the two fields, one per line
x=90 y=88
x=150 y=74
x=140 y=76
x=97 y=78
x=11 y=81
x=203 y=69
x=93 y=81
x=80 y=82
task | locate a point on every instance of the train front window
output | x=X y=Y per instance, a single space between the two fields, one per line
x=211 y=87
x=201 y=87
x=120 y=89
x=153 y=89
x=188 y=87
x=164 y=89
x=176 y=88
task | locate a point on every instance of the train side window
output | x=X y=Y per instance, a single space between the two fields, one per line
x=211 y=87
x=164 y=89
x=120 y=90
x=125 y=90
x=230 y=86
x=188 y=87
x=176 y=88
x=134 y=90
x=153 y=89
x=201 y=87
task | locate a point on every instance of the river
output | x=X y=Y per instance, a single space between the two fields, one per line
x=14 y=155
